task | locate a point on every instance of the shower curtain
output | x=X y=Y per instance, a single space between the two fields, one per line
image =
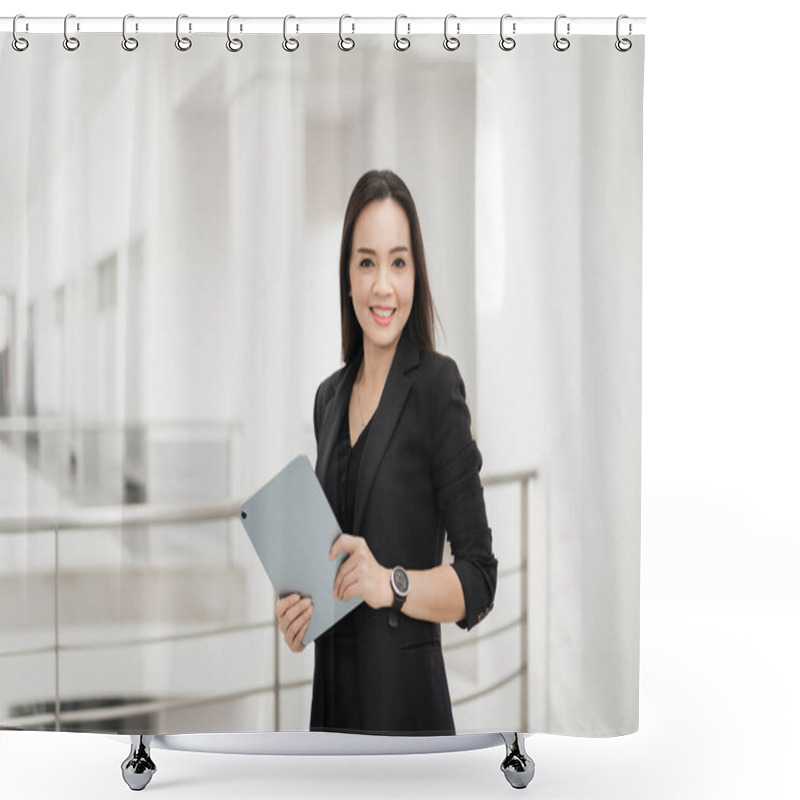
x=169 y=303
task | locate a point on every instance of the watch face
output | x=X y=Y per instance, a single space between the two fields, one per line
x=400 y=580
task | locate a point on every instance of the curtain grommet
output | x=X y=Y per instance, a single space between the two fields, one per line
x=623 y=44
x=561 y=43
x=19 y=43
x=451 y=43
x=70 y=43
x=346 y=43
x=401 y=43
x=129 y=43
x=289 y=44
x=183 y=43
x=233 y=44
x=507 y=43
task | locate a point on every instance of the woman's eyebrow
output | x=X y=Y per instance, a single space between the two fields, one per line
x=399 y=249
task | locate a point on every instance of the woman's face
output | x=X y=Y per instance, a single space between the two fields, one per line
x=382 y=273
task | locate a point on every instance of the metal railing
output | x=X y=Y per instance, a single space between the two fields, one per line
x=115 y=516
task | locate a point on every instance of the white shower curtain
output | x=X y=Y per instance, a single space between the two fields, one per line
x=169 y=304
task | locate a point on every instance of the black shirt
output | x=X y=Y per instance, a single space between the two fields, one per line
x=336 y=651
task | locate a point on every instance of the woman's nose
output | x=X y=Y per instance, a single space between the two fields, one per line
x=383 y=282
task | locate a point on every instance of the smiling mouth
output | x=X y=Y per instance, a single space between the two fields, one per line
x=382 y=316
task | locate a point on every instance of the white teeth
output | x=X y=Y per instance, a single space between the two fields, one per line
x=383 y=312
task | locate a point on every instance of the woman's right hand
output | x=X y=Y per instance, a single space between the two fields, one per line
x=294 y=614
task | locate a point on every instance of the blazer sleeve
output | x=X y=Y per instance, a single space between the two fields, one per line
x=456 y=466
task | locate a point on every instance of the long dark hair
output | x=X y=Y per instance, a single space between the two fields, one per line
x=378 y=185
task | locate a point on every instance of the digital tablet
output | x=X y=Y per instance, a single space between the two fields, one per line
x=292 y=528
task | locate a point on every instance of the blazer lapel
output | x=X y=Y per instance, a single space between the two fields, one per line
x=333 y=414
x=393 y=398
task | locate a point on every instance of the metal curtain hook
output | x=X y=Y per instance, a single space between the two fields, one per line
x=129 y=43
x=18 y=42
x=70 y=42
x=345 y=42
x=401 y=42
x=182 y=42
x=561 y=43
x=289 y=44
x=451 y=42
x=233 y=45
x=507 y=42
x=623 y=45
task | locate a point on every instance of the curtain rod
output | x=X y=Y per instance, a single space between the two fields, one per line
x=461 y=26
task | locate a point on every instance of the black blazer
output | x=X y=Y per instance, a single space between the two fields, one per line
x=418 y=480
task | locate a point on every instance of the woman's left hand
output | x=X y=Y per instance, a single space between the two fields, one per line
x=360 y=575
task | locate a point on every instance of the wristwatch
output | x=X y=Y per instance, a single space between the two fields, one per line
x=400 y=586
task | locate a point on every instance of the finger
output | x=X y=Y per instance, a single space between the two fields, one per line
x=345 y=581
x=298 y=645
x=285 y=602
x=343 y=544
x=355 y=547
x=305 y=605
x=338 y=579
x=295 y=610
x=298 y=627
x=299 y=621
x=281 y=610
x=290 y=611
x=297 y=640
x=350 y=588
x=345 y=570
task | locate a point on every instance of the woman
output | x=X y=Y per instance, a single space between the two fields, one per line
x=399 y=466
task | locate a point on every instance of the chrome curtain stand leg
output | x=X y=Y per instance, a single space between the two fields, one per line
x=138 y=768
x=518 y=766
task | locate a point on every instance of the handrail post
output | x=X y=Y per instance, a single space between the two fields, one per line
x=524 y=597
x=277 y=694
x=56 y=645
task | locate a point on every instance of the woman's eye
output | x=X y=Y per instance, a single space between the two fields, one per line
x=365 y=262
x=399 y=262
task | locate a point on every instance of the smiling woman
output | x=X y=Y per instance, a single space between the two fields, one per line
x=398 y=463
